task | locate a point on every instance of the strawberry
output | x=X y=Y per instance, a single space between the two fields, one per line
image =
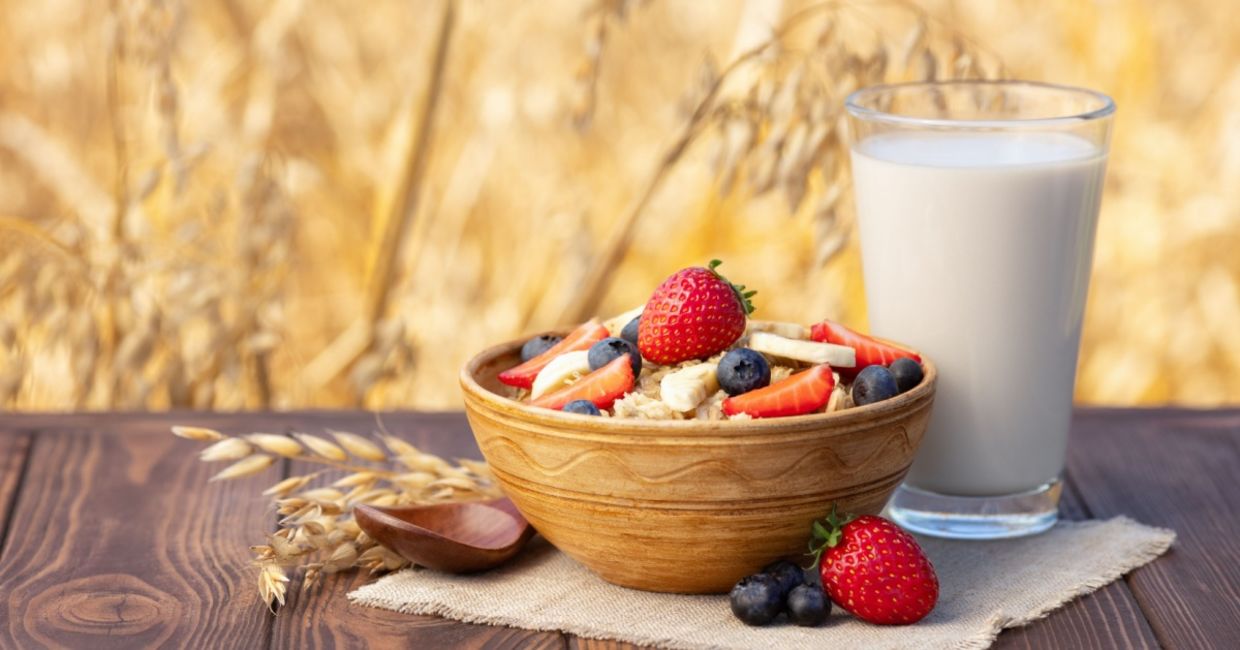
x=695 y=313
x=805 y=392
x=874 y=570
x=586 y=335
x=602 y=387
x=870 y=352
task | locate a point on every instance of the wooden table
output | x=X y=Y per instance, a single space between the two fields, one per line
x=112 y=537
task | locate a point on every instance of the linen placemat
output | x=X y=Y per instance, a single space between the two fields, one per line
x=984 y=588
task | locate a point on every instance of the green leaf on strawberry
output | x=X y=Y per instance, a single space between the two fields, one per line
x=738 y=289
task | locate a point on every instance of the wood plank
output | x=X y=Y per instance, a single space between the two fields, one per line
x=1107 y=618
x=14 y=447
x=1174 y=469
x=68 y=593
x=117 y=542
x=323 y=618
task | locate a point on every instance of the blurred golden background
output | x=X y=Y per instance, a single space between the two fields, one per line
x=245 y=204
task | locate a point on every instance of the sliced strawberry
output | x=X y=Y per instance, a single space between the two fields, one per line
x=870 y=352
x=805 y=392
x=602 y=387
x=586 y=335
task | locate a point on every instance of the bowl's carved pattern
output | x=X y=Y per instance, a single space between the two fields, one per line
x=600 y=461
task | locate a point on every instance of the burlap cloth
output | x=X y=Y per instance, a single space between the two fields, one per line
x=985 y=587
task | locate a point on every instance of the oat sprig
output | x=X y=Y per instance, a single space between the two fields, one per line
x=772 y=117
x=316 y=530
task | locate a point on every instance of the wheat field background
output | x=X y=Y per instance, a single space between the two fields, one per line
x=243 y=204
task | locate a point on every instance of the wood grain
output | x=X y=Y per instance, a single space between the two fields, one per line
x=117 y=543
x=324 y=618
x=14 y=447
x=1108 y=617
x=1180 y=470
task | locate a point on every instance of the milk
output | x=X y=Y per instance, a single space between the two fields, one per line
x=976 y=249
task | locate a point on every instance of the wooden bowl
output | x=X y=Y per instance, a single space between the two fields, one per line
x=687 y=506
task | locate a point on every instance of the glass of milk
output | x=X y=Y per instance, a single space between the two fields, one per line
x=977 y=203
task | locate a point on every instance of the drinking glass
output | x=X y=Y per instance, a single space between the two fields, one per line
x=977 y=203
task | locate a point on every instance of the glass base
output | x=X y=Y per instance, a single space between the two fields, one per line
x=940 y=515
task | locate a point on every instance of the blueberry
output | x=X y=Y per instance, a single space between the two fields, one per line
x=605 y=351
x=874 y=384
x=907 y=373
x=787 y=574
x=582 y=406
x=756 y=600
x=629 y=333
x=538 y=345
x=808 y=606
x=742 y=370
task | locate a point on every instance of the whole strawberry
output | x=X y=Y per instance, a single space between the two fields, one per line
x=874 y=570
x=692 y=315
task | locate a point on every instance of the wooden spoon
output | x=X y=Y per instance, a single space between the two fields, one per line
x=452 y=537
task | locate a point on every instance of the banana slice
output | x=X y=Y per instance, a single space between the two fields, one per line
x=839 y=396
x=562 y=370
x=684 y=389
x=840 y=356
x=617 y=323
x=779 y=328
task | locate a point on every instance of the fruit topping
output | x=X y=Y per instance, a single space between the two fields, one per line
x=629 y=333
x=870 y=351
x=601 y=387
x=742 y=370
x=757 y=600
x=874 y=570
x=787 y=573
x=779 y=328
x=616 y=323
x=694 y=314
x=907 y=372
x=561 y=371
x=538 y=345
x=581 y=406
x=804 y=392
x=604 y=351
x=808 y=606
x=582 y=338
x=873 y=384
x=840 y=356
x=684 y=389
x=694 y=354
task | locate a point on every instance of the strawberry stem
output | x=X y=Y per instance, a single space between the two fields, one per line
x=828 y=536
x=739 y=289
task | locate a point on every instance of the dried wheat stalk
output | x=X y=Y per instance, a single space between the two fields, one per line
x=772 y=116
x=361 y=345
x=599 y=20
x=316 y=528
